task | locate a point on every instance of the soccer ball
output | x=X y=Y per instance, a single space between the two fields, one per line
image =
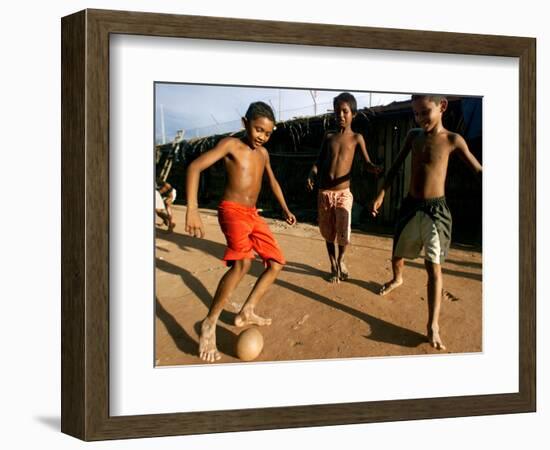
x=249 y=344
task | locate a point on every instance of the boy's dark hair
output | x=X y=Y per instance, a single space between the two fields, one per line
x=347 y=98
x=436 y=98
x=259 y=109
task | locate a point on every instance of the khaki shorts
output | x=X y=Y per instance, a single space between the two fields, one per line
x=424 y=224
x=334 y=209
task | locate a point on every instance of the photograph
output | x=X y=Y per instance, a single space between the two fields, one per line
x=316 y=213
x=298 y=224
x=272 y=226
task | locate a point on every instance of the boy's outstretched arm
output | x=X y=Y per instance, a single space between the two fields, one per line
x=373 y=168
x=466 y=155
x=193 y=222
x=405 y=150
x=277 y=191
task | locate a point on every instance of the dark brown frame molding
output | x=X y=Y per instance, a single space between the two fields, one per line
x=85 y=224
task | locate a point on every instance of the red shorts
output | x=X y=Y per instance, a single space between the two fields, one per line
x=246 y=232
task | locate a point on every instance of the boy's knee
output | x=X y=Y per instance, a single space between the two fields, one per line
x=433 y=270
x=243 y=265
x=274 y=265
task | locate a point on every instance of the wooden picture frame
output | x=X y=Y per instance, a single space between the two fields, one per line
x=85 y=224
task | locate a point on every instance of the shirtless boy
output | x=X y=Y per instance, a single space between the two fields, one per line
x=165 y=197
x=424 y=219
x=246 y=161
x=333 y=173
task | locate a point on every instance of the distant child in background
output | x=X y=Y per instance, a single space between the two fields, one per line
x=332 y=172
x=165 y=197
x=424 y=219
x=246 y=162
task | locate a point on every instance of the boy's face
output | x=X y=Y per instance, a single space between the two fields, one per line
x=343 y=114
x=428 y=113
x=258 y=130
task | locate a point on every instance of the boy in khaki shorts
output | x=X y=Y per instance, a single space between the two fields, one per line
x=424 y=219
x=333 y=173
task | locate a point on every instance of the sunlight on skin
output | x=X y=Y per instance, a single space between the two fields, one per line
x=390 y=286
x=207 y=342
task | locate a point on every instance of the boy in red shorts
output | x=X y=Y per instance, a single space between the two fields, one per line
x=246 y=161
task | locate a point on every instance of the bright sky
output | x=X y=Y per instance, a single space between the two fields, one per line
x=202 y=110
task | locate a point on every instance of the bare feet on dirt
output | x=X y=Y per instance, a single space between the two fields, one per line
x=390 y=286
x=245 y=318
x=435 y=340
x=344 y=273
x=334 y=277
x=207 y=342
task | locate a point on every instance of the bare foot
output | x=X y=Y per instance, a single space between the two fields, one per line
x=245 y=318
x=390 y=286
x=334 y=277
x=344 y=273
x=171 y=226
x=435 y=340
x=207 y=342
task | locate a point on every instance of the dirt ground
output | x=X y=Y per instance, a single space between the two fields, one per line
x=312 y=319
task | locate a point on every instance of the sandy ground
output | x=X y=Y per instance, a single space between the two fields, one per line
x=312 y=319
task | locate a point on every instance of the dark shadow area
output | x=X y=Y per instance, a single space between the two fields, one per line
x=161 y=249
x=186 y=242
x=52 y=422
x=225 y=339
x=183 y=341
x=472 y=264
x=466 y=247
x=369 y=226
x=381 y=331
x=194 y=285
x=458 y=273
x=370 y=286
x=304 y=269
x=189 y=280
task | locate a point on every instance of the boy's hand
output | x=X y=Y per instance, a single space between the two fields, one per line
x=377 y=203
x=289 y=217
x=373 y=168
x=310 y=183
x=193 y=223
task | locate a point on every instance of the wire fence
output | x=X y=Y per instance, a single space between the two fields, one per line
x=280 y=115
x=236 y=125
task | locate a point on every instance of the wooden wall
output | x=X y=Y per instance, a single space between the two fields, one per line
x=294 y=147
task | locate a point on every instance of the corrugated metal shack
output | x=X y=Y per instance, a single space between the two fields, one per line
x=294 y=147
